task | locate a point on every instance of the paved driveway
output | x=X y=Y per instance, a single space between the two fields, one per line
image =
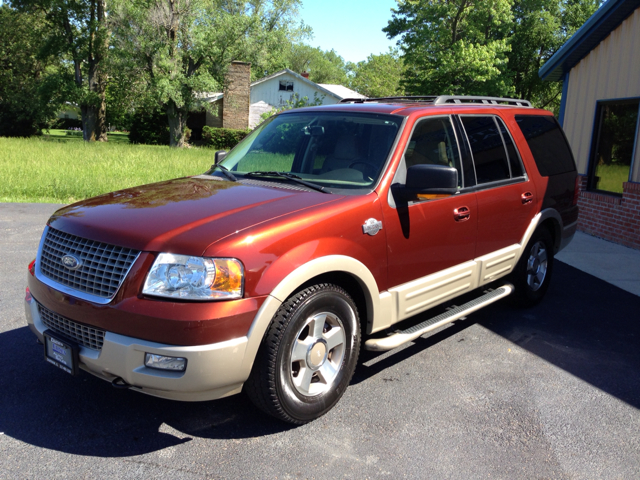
x=551 y=392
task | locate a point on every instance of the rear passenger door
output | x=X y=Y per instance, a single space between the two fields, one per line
x=505 y=195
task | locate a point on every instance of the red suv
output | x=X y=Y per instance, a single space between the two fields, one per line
x=326 y=229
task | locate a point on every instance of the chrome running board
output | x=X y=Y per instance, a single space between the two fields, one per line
x=404 y=336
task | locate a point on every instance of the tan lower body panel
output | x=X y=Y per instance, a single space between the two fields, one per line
x=404 y=301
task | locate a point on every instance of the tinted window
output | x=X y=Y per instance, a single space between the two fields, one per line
x=547 y=143
x=433 y=142
x=489 y=154
x=514 y=159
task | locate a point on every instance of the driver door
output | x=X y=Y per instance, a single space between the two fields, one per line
x=431 y=243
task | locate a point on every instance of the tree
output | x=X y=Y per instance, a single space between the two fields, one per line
x=540 y=28
x=493 y=47
x=453 y=46
x=378 y=75
x=23 y=111
x=322 y=66
x=77 y=33
x=182 y=47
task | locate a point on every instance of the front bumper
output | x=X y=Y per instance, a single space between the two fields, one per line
x=213 y=371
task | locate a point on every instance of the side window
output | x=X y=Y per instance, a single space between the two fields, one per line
x=517 y=170
x=487 y=148
x=433 y=142
x=547 y=143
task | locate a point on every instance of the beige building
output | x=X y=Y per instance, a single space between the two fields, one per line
x=600 y=112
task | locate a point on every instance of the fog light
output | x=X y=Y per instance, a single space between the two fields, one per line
x=160 y=362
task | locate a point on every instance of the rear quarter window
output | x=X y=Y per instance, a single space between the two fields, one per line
x=547 y=143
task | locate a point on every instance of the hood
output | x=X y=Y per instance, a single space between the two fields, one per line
x=184 y=216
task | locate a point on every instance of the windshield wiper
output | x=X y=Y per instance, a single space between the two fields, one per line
x=225 y=171
x=288 y=176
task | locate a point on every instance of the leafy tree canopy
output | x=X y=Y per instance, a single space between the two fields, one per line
x=378 y=75
x=183 y=47
x=453 y=47
x=23 y=110
x=484 y=47
x=76 y=35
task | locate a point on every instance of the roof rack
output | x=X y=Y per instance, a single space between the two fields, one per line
x=445 y=99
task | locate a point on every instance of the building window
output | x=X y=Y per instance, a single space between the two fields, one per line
x=286 y=86
x=612 y=152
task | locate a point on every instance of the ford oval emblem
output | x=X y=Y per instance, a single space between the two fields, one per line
x=71 y=262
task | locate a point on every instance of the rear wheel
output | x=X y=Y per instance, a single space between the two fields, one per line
x=308 y=356
x=532 y=275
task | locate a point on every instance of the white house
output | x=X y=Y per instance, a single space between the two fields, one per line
x=268 y=93
x=275 y=90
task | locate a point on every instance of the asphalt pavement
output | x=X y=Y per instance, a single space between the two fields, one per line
x=548 y=392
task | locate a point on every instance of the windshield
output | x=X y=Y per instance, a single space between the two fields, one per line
x=335 y=150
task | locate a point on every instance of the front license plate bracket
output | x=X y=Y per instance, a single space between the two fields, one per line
x=61 y=352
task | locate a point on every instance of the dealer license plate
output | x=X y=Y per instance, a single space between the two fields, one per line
x=61 y=352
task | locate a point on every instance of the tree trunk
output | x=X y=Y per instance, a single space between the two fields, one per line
x=102 y=47
x=177 y=122
x=89 y=118
x=95 y=127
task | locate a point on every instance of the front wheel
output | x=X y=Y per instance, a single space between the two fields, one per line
x=532 y=275
x=308 y=355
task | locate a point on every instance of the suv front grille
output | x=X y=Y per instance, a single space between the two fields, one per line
x=103 y=268
x=84 y=335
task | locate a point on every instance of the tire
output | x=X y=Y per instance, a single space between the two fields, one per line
x=532 y=274
x=308 y=355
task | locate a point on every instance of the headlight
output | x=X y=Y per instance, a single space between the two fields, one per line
x=194 y=278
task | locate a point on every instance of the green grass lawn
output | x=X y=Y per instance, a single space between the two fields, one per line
x=54 y=169
x=58 y=135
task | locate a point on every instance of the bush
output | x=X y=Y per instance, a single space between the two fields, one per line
x=150 y=128
x=222 y=138
x=16 y=121
x=66 y=123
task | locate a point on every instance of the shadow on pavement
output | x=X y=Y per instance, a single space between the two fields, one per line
x=84 y=415
x=584 y=326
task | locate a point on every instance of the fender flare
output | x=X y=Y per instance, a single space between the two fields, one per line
x=302 y=274
x=539 y=219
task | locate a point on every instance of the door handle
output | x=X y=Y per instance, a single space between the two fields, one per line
x=461 y=214
x=526 y=197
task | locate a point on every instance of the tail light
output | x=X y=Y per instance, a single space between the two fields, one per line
x=576 y=192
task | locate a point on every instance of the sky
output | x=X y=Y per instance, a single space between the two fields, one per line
x=353 y=28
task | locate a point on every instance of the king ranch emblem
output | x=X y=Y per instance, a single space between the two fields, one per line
x=372 y=226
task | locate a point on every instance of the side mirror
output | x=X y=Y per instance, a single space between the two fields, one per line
x=438 y=180
x=219 y=156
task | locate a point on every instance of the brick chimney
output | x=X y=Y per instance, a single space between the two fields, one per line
x=305 y=75
x=237 y=95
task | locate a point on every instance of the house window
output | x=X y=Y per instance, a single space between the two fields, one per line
x=612 y=152
x=286 y=86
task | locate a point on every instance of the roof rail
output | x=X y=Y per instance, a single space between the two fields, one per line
x=445 y=99
x=460 y=99
x=403 y=99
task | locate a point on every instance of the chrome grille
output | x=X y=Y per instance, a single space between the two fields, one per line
x=82 y=334
x=103 y=268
